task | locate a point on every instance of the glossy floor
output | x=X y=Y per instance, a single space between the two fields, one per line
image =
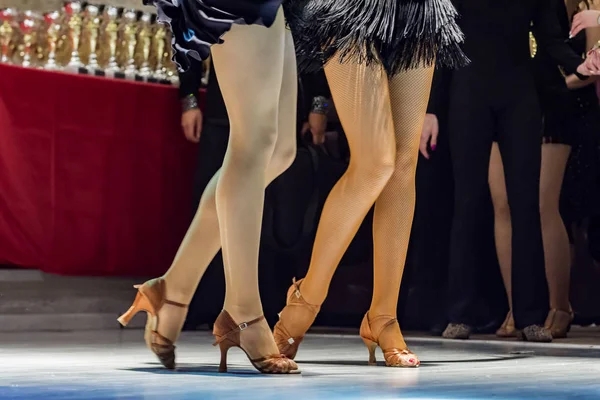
x=116 y=365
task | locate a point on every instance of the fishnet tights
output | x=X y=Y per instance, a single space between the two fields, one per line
x=383 y=120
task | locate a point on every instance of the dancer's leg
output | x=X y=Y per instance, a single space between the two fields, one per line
x=362 y=100
x=394 y=208
x=250 y=65
x=202 y=241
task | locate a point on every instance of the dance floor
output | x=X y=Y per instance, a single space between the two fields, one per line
x=116 y=365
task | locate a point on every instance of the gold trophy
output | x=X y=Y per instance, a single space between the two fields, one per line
x=145 y=44
x=73 y=10
x=111 y=38
x=129 y=31
x=28 y=27
x=7 y=17
x=171 y=67
x=159 y=43
x=52 y=35
x=92 y=31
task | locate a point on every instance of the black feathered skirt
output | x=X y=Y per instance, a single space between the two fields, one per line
x=198 y=24
x=399 y=34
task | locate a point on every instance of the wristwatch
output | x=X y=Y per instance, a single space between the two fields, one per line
x=320 y=105
x=189 y=102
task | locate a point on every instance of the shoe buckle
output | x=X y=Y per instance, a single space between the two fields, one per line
x=297 y=293
x=291 y=341
x=243 y=326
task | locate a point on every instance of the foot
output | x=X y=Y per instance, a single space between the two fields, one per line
x=162 y=332
x=536 y=333
x=254 y=337
x=457 y=331
x=559 y=323
x=507 y=330
x=294 y=321
x=384 y=330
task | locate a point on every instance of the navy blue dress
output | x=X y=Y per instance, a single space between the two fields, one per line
x=198 y=24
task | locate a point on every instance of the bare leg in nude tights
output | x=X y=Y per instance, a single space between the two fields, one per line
x=257 y=72
x=556 y=240
x=383 y=120
x=202 y=241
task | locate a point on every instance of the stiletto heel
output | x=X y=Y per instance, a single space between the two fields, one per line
x=393 y=357
x=224 y=350
x=288 y=344
x=228 y=332
x=372 y=346
x=151 y=297
x=139 y=304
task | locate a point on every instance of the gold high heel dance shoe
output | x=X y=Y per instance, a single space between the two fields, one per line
x=394 y=357
x=508 y=330
x=559 y=323
x=288 y=344
x=228 y=335
x=151 y=297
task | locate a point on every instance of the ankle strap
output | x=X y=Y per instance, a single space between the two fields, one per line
x=392 y=321
x=174 y=303
x=241 y=327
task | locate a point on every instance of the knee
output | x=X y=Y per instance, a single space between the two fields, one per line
x=501 y=208
x=376 y=168
x=549 y=209
x=251 y=147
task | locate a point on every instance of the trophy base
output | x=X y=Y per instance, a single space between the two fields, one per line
x=52 y=67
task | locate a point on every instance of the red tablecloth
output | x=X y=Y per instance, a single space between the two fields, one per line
x=95 y=174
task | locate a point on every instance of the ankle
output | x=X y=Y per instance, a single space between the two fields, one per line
x=381 y=312
x=241 y=314
x=177 y=293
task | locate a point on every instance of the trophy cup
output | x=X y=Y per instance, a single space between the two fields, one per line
x=28 y=27
x=52 y=33
x=92 y=31
x=145 y=44
x=130 y=29
x=73 y=10
x=7 y=16
x=159 y=50
x=111 y=38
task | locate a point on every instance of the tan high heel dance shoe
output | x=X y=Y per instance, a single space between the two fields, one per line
x=228 y=335
x=151 y=297
x=559 y=323
x=288 y=344
x=508 y=330
x=393 y=357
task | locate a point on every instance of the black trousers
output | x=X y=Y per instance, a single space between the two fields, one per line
x=479 y=111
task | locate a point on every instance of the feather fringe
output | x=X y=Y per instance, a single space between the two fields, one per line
x=398 y=34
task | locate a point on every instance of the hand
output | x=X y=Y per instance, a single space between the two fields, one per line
x=429 y=135
x=583 y=20
x=191 y=122
x=591 y=66
x=317 y=125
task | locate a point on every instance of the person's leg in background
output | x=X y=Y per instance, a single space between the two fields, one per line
x=471 y=129
x=519 y=139
x=362 y=100
x=502 y=233
x=394 y=212
x=557 y=249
